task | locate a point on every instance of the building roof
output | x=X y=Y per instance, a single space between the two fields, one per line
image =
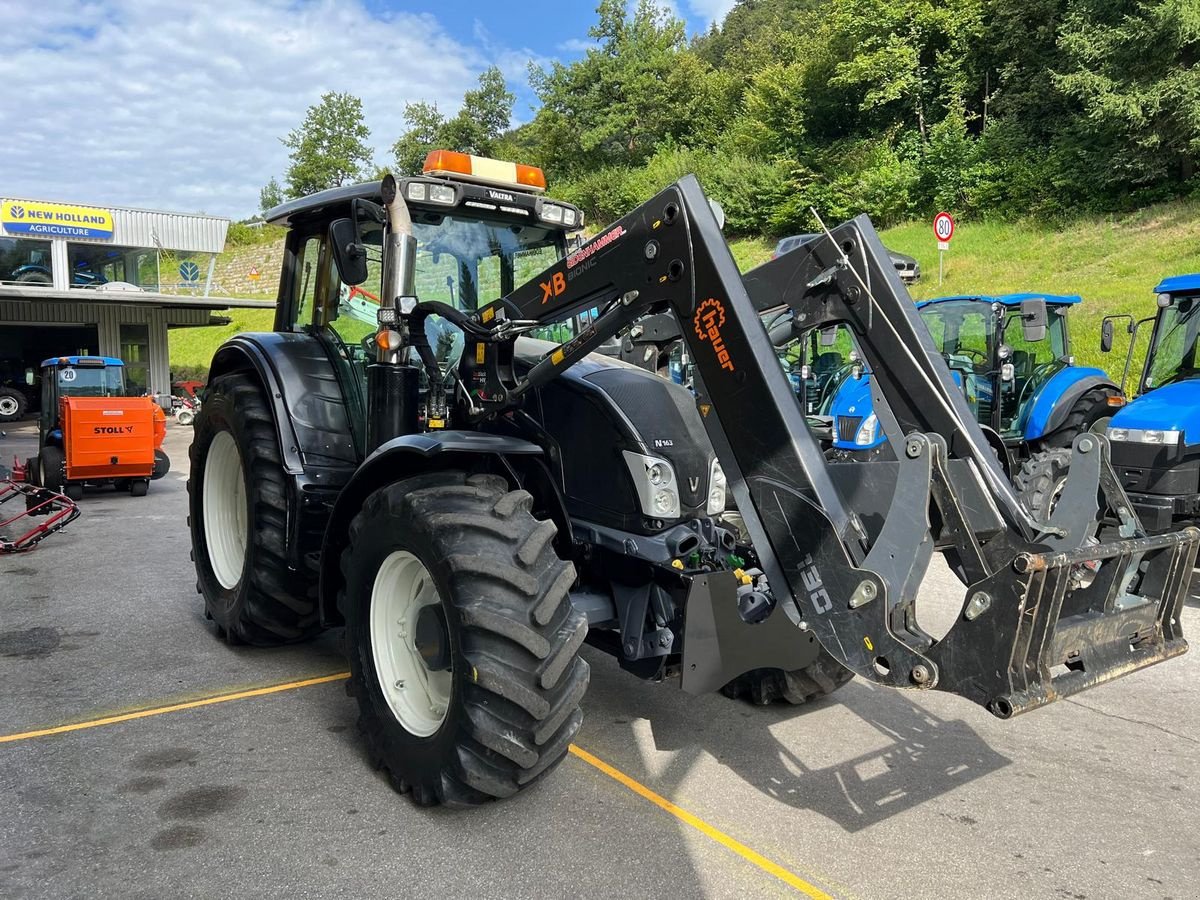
x=1178 y=284
x=33 y=293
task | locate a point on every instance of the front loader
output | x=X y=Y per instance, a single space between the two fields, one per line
x=472 y=503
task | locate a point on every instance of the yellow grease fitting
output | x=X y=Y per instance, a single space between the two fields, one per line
x=867 y=641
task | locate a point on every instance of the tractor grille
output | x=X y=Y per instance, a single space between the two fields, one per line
x=847 y=427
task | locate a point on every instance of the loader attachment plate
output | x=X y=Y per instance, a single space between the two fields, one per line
x=1056 y=624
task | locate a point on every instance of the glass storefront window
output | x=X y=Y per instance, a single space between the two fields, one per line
x=25 y=262
x=135 y=352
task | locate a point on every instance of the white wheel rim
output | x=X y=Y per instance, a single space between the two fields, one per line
x=225 y=510
x=8 y=405
x=418 y=698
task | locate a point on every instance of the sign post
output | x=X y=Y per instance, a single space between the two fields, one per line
x=943 y=230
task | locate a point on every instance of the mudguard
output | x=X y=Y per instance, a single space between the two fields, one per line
x=412 y=454
x=1053 y=403
x=311 y=419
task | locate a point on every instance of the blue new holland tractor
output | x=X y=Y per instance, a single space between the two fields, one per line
x=1155 y=440
x=1010 y=355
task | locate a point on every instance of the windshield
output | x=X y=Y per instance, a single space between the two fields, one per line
x=465 y=262
x=1172 y=353
x=89 y=381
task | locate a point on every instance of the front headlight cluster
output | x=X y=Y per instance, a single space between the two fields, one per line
x=421 y=191
x=716 y=489
x=867 y=431
x=560 y=215
x=1145 y=436
x=654 y=479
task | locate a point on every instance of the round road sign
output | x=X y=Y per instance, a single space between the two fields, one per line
x=943 y=226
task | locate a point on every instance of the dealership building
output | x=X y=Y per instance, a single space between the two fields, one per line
x=106 y=281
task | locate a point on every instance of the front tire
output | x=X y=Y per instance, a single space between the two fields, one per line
x=52 y=469
x=1040 y=481
x=1086 y=411
x=237 y=497
x=497 y=611
x=12 y=405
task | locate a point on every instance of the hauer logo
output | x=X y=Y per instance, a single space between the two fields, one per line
x=500 y=195
x=708 y=321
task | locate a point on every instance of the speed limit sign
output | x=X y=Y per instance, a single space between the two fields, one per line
x=943 y=226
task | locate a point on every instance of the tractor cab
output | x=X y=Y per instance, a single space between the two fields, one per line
x=1010 y=356
x=1155 y=439
x=77 y=376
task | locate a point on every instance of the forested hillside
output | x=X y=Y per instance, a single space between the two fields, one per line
x=1002 y=108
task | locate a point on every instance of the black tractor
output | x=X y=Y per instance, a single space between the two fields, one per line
x=427 y=452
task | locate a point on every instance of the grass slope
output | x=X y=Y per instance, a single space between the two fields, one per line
x=1113 y=262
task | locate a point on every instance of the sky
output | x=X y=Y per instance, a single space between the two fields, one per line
x=180 y=106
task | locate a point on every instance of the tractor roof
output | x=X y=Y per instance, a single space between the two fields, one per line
x=333 y=198
x=97 y=361
x=1179 y=284
x=1009 y=299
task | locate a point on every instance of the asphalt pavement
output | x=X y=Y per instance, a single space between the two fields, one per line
x=870 y=794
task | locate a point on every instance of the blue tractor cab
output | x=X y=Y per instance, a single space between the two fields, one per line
x=1010 y=355
x=1155 y=440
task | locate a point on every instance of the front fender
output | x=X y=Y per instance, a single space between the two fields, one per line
x=414 y=454
x=302 y=387
x=1053 y=402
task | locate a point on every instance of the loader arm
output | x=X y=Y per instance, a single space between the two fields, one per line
x=1049 y=609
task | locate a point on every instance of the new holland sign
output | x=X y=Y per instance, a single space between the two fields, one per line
x=55 y=220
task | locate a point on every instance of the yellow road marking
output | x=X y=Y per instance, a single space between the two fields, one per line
x=703 y=827
x=174 y=707
x=709 y=831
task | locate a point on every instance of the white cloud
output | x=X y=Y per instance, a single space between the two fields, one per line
x=181 y=106
x=711 y=10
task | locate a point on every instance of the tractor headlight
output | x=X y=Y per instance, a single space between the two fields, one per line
x=653 y=478
x=417 y=191
x=867 y=431
x=441 y=193
x=1166 y=438
x=552 y=213
x=716 y=489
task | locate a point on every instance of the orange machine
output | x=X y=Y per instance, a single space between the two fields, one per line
x=111 y=437
x=90 y=431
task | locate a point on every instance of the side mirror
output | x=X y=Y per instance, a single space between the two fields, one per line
x=1033 y=320
x=349 y=256
x=1106 y=336
x=829 y=336
x=364 y=211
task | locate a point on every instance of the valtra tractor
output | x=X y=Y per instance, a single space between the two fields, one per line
x=90 y=432
x=472 y=503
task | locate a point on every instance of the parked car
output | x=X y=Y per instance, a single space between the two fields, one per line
x=907 y=267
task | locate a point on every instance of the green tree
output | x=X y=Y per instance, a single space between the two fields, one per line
x=329 y=148
x=270 y=196
x=1134 y=68
x=485 y=115
x=640 y=86
x=424 y=128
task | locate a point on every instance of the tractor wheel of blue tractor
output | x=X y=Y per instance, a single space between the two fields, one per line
x=1041 y=479
x=50 y=469
x=1085 y=412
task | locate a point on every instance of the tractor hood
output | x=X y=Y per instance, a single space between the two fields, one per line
x=1172 y=407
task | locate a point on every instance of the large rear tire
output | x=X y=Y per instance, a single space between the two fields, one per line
x=449 y=570
x=765 y=686
x=51 y=469
x=12 y=404
x=237 y=512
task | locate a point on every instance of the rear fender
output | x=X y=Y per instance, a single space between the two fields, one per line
x=1052 y=405
x=517 y=460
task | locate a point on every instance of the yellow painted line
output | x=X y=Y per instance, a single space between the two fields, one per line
x=709 y=831
x=174 y=707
